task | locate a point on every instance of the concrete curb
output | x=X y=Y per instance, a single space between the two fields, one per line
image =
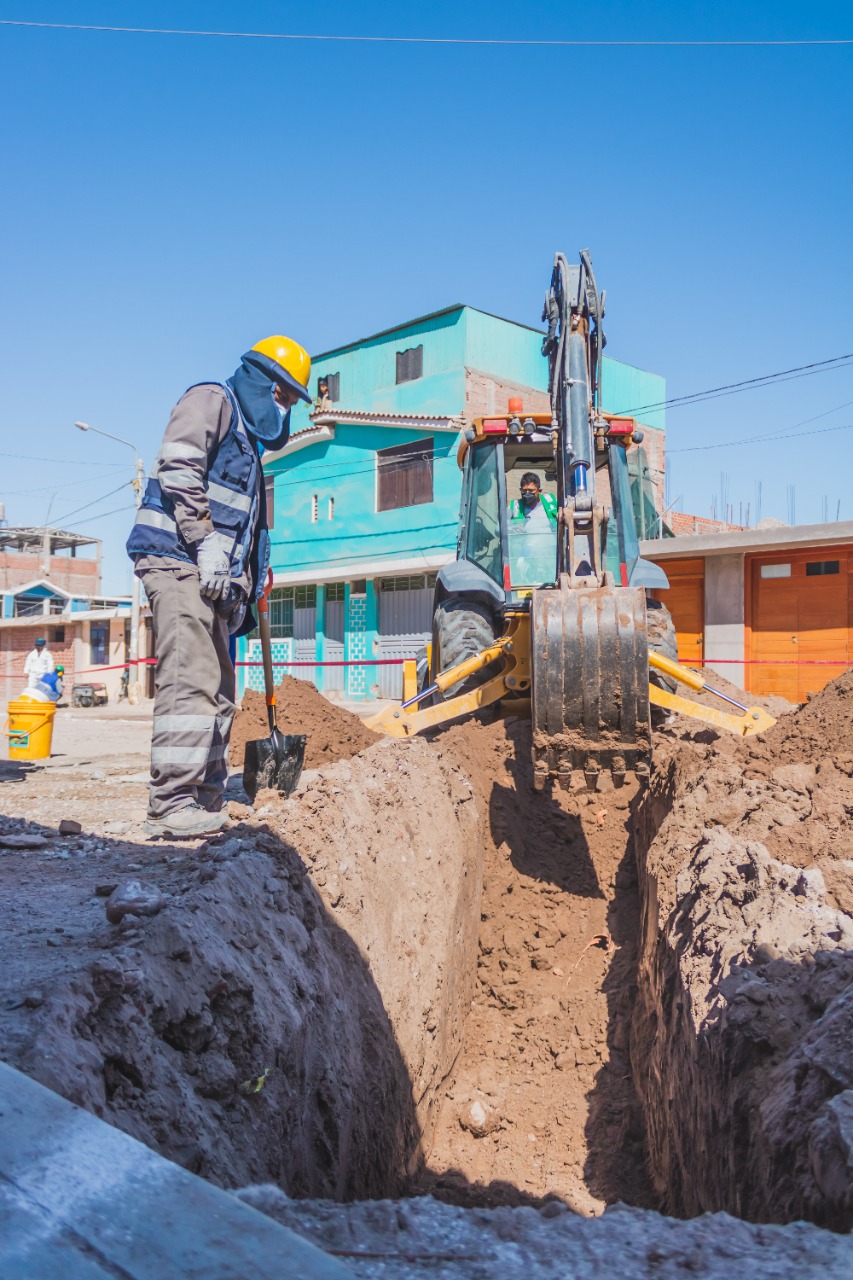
x=80 y=1200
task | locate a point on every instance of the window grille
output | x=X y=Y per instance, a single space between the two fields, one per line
x=405 y=475
x=305 y=597
x=334 y=592
x=315 y=508
x=281 y=613
x=414 y=582
x=410 y=364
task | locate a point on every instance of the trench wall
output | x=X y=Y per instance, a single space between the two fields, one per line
x=291 y=1012
x=742 y=1028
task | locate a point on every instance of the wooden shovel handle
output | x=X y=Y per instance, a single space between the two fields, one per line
x=266 y=650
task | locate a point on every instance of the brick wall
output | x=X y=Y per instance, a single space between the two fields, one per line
x=71 y=573
x=16 y=643
x=484 y=393
x=680 y=522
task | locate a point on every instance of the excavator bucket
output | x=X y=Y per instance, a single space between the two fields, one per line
x=590 y=688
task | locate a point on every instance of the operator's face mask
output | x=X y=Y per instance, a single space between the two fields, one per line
x=530 y=497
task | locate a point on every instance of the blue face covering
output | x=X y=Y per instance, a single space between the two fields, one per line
x=253 y=385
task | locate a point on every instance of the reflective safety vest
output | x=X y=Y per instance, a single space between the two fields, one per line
x=234 y=491
x=549 y=505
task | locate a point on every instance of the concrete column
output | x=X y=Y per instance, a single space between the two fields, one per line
x=724 y=615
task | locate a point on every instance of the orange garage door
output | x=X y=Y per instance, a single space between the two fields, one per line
x=802 y=610
x=685 y=600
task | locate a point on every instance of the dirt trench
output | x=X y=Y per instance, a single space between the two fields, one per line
x=418 y=975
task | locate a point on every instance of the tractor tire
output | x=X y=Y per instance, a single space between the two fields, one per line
x=463 y=629
x=662 y=639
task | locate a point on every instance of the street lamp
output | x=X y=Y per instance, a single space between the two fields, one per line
x=137 y=482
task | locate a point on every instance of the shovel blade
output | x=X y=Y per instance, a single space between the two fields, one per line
x=274 y=762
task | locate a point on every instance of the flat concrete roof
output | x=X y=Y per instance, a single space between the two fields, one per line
x=780 y=538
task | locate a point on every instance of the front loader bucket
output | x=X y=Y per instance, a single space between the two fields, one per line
x=590 y=694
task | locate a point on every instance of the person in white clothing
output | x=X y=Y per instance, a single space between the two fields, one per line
x=39 y=662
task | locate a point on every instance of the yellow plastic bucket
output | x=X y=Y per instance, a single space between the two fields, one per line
x=30 y=729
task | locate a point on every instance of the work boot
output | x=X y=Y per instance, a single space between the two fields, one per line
x=186 y=823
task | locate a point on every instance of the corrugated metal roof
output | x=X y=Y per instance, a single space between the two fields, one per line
x=329 y=417
x=432 y=315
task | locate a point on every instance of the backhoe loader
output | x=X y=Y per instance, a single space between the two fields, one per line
x=553 y=617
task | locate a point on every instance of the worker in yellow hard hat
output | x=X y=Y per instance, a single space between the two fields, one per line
x=201 y=549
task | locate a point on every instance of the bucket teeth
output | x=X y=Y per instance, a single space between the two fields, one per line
x=590 y=704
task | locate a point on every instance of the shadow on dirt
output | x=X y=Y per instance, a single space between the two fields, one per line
x=545 y=842
x=615 y=1168
x=237 y=1030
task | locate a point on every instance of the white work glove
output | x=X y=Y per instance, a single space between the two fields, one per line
x=214 y=568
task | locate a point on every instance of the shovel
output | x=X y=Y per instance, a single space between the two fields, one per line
x=275 y=761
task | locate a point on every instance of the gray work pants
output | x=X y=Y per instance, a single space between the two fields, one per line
x=195 y=688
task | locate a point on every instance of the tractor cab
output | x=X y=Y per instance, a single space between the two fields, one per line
x=516 y=547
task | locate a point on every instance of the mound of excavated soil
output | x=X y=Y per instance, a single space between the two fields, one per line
x=332 y=732
x=741 y=1039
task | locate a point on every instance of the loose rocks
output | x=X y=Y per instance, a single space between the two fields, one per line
x=133 y=898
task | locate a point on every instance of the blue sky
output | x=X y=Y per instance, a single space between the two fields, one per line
x=169 y=200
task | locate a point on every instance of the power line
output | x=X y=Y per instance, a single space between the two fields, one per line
x=64 y=484
x=768 y=435
x=61 y=519
x=731 y=444
x=732 y=388
x=100 y=516
x=458 y=40
x=64 y=462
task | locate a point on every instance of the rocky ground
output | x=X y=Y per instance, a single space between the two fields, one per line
x=419 y=976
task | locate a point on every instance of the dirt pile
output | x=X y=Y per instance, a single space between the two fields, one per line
x=741 y=1037
x=333 y=733
x=265 y=1024
x=541 y=1102
x=410 y=1239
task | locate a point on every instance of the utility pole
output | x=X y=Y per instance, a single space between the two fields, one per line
x=138 y=484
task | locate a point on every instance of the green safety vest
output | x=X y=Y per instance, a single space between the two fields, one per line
x=549 y=504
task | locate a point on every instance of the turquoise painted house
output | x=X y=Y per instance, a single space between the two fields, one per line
x=363 y=502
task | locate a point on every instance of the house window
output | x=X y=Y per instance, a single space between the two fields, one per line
x=359 y=587
x=315 y=508
x=99 y=643
x=332 y=384
x=414 y=582
x=56 y=635
x=775 y=571
x=331 y=508
x=817 y=568
x=404 y=475
x=269 y=493
x=305 y=597
x=281 y=612
x=410 y=364
x=334 y=592
x=29 y=606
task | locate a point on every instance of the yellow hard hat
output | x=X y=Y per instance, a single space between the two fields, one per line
x=293 y=360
